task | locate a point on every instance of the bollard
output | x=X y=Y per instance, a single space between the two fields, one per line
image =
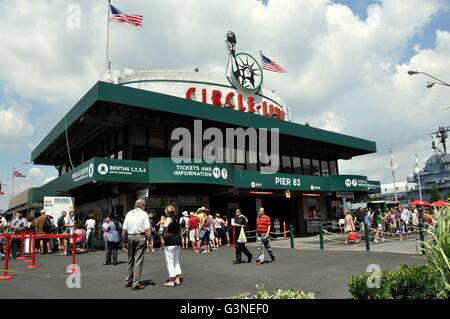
x=367 y=236
x=284 y=230
x=33 y=257
x=291 y=234
x=422 y=238
x=321 y=236
x=5 y=270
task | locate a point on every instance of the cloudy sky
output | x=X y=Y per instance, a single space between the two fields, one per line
x=346 y=60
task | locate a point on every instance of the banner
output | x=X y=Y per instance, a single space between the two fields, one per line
x=56 y=205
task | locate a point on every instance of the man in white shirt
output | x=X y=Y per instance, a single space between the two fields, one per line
x=90 y=229
x=135 y=232
x=69 y=222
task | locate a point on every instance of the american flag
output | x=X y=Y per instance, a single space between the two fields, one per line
x=270 y=65
x=18 y=174
x=118 y=16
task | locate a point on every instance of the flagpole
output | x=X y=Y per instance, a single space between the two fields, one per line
x=418 y=177
x=12 y=188
x=393 y=175
x=108 y=62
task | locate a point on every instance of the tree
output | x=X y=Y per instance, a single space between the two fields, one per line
x=448 y=196
x=435 y=194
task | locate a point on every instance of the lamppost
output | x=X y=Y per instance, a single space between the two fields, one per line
x=417 y=171
x=13 y=174
x=430 y=84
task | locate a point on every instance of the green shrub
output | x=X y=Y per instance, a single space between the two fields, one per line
x=407 y=282
x=360 y=290
x=414 y=282
x=437 y=251
x=261 y=293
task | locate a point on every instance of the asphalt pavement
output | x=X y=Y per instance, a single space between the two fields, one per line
x=204 y=276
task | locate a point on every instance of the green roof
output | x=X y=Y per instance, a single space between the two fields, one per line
x=108 y=92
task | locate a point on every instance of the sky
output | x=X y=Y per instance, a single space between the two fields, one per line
x=347 y=65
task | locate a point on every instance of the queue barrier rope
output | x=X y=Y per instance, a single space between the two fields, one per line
x=33 y=239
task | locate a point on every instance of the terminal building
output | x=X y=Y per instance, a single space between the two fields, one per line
x=115 y=145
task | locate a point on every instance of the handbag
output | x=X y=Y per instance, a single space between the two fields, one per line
x=202 y=233
x=242 y=238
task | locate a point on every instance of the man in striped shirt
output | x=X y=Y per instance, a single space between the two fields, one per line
x=263 y=236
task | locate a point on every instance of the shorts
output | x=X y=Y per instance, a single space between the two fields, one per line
x=211 y=235
x=380 y=227
x=184 y=233
x=193 y=235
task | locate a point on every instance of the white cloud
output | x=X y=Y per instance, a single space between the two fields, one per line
x=15 y=128
x=343 y=72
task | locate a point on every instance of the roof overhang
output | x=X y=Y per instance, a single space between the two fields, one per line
x=103 y=93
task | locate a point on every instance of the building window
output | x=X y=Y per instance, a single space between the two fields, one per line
x=333 y=168
x=286 y=164
x=324 y=168
x=297 y=165
x=157 y=143
x=306 y=166
x=315 y=167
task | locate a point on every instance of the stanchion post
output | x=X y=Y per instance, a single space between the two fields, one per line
x=5 y=270
x=422 y=237
x=233 y=237
x=29 y=260
x=291 y=234
x=33 y=257
x=367 y=236
x=284 y=230
x=74 y=250
x=321 y=236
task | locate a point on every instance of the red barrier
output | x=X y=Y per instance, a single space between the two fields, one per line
x=30 y=239
x=33 y=257
x=21 y=256
x=233 y=240
x=5 y=270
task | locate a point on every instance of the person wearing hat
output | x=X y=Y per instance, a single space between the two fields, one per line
x=184 y=230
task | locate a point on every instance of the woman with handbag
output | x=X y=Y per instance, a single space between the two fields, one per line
x=205 y=231
x=172 y=239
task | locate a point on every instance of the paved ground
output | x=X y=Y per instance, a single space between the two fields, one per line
x=205 y=276
x=336 y=242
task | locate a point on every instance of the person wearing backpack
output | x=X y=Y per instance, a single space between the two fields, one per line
x=47 y=230
x=61 y=230
x=184 y=230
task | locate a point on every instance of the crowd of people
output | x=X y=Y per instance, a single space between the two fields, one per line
x=394 y=221
x=201 y=231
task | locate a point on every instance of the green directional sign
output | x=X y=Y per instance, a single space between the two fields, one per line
x=106 y=169
x=164 y=170
x=350 y=183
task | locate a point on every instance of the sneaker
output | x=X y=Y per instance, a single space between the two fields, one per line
x=235 y=262
x=204 y=252
x=376 y=241
x=272 y=258
x=215 y=249
x=259 y=262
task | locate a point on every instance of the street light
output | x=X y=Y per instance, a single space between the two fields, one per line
x=430 y=84
x=14 y=170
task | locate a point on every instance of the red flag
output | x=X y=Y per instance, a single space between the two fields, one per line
x=18 y=174
x=1 y=193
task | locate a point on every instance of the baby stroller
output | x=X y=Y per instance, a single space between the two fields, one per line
x=351 y=238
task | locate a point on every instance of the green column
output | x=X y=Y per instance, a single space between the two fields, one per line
x=291 y=235
x=367 y=236
x=422 y=238
x=321 y=236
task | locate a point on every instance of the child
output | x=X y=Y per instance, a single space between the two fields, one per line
x=402 y=229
